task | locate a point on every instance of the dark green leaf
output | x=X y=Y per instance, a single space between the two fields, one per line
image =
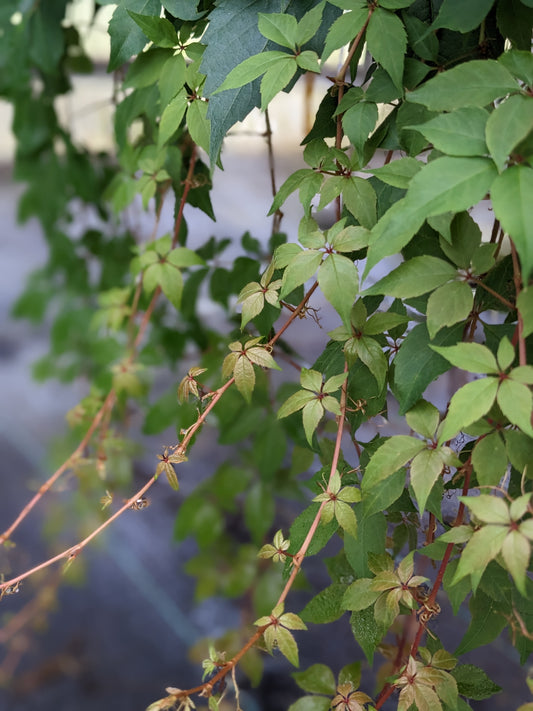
x=159 y=30
x=127 y=38
x=417 y=365
x=473 y=683
x=461 y=16
x=324 y=608
x=366 y=631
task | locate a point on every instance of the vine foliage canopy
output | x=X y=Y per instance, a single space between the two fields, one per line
x=415 y=239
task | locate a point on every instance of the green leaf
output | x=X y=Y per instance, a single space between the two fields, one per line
x=251 y=69
x=519 y=449
x=398 y=172
x=516 y=403
x=426 y=468
x=461 y=16
x=276 y=78
x=470 y=356
x=371 y=532
x=371 y=353
x=147 y=68
x=287 y=645
x=171 y=283
x=474 y=83
x=519 y=63
x=317 y=679
x=473 y=683
x=339 y=282
x=391 y=456
x=360 y=595
x=366 y=631
x=295 y=402
x=414 y=277
x=183 y=9
x=511 y=193
x=446 y=184
x=311 y=379
x=516 y=552
x=346 y=518
x=294 y=181
x=279 y=28
x=387 y=41
x=384 y=493
x=359 y=122
x=159 y=30
x=309 y=24
x=467 y=405
x=524 y=304
x=308 y=61
x=488 y=509
x=227 y=21
x=244 y=375
x=344 y=29
x=172 y=117
x=459 y=133
x=324 y=608
x=483 y=547
x=360 y=199
x=423 y=418
x=312 y=414
x=301 y=268
x=311 y=703
x=509 y=124
x=489 y=459
x=198 y=123
x=417 y=364
x=486 y=624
